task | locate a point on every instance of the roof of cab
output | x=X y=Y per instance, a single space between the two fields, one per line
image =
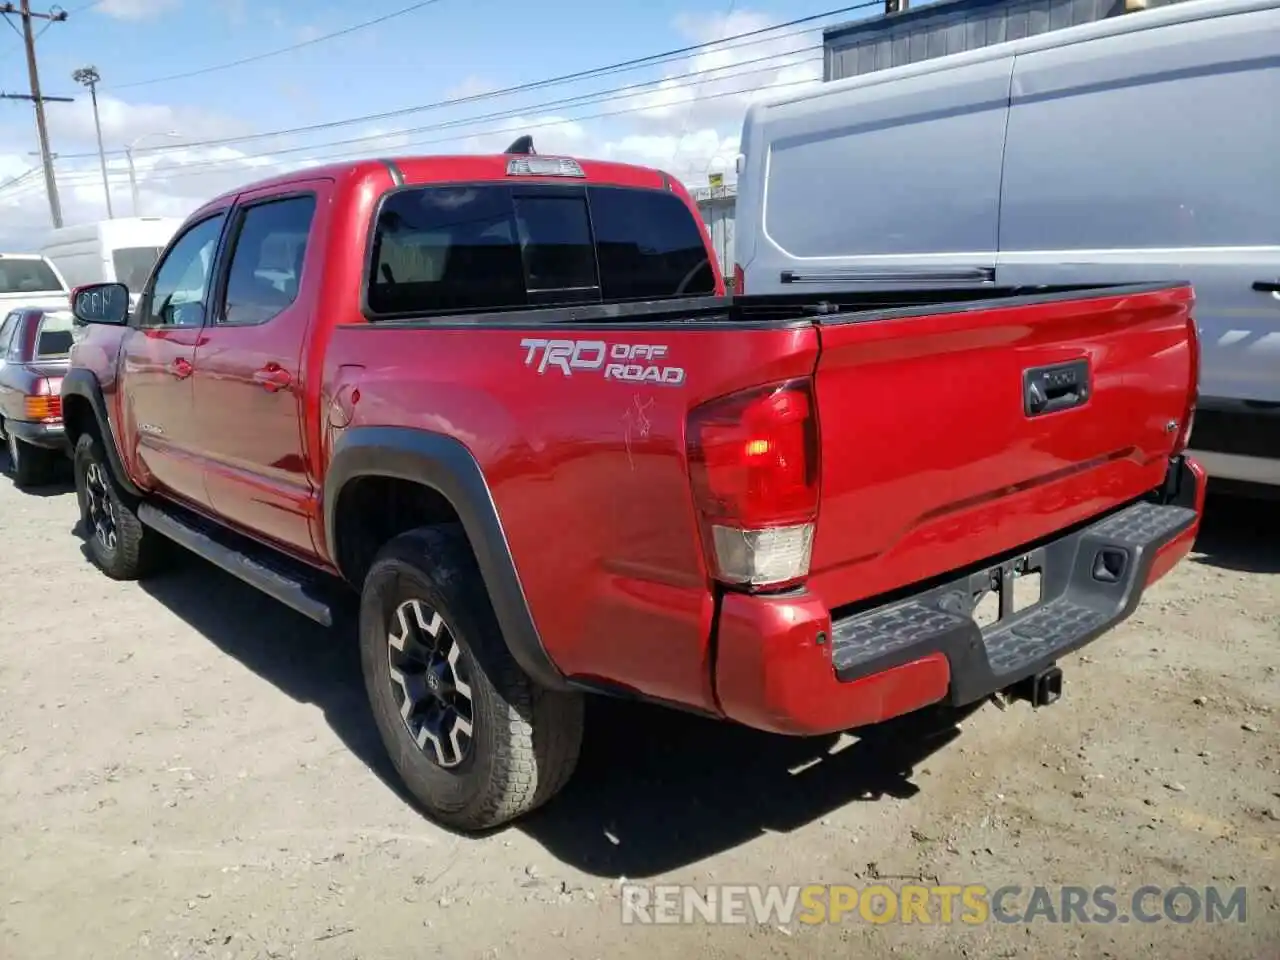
x=418 y=170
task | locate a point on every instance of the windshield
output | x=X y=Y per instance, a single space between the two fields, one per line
x=132 y=264
x=28 y=276
x=54 y=335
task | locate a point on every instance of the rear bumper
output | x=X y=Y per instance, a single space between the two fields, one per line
x=51 y=436
x=785 y=664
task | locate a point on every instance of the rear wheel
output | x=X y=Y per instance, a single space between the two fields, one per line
x=28 y=464
x=476 y=741
x=120 y=545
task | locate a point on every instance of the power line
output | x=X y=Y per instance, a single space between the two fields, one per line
x=345 y=31
x=684 y=126
x=769 y=63
x=590 y=99
x=607 y=69
x=14 y=181
x=208 y=168
x=188 y=172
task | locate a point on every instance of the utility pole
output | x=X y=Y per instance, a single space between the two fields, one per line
x=89 y=77
x=29 y=37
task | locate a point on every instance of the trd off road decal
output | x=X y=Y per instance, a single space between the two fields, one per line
x=628 y=362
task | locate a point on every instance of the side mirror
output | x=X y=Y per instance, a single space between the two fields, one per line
x=101 y=303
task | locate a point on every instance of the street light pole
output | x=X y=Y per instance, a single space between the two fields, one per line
x=89 y=77
x=133 y=173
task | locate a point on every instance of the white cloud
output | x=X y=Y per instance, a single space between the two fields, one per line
x=122 y=122
x=136 y=9
x=713 y=88
x=688 y=126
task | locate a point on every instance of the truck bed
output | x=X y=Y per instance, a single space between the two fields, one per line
x=928 y=460
x=818 y=307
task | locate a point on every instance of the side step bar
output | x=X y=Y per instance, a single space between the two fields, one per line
x=270 y=575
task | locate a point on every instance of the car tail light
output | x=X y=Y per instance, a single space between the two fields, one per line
x=739 y=280
x=42 y=409
x=753 y=463
x=1193 y=393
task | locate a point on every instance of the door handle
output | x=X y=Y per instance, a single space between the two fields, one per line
x=1267 y=286
x=1060 y=387
x=273 y=377
x=180 y=368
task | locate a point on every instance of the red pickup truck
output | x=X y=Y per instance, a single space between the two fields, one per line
x=506 y=400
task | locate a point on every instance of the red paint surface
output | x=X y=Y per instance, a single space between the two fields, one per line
x=772 y=674
x=927 y=462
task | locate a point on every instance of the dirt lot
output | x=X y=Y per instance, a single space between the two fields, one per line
x=189 y=770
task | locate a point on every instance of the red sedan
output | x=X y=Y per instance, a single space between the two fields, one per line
x=35 y=346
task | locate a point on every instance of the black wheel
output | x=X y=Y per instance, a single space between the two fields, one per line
x=476 y=741
x=121 y=546
x=29 y=465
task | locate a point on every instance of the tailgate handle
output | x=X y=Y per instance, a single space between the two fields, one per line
x=1060 y=387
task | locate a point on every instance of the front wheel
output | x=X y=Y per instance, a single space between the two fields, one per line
x=475 y=740
x=120 y=545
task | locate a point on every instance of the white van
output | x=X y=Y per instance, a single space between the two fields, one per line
x=110 y=251
x=1142 y=147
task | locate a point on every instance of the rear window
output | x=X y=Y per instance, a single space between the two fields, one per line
x=28 y=276
x=54 y=336
x=454 y=249
x=133 y=265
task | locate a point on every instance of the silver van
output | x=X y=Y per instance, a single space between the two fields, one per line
x=1143 y=147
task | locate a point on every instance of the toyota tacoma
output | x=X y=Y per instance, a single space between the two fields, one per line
x=505 y=400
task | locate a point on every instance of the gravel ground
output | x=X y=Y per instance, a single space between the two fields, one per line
x=189 y=770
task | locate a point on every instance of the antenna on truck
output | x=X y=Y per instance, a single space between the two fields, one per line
x=522 y=145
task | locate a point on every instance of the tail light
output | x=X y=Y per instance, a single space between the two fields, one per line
x=42 y=409
x=1193 y=392
x=739 y=280
x=753 y=464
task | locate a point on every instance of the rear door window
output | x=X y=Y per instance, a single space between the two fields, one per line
x=266 y=260
x=467 y=248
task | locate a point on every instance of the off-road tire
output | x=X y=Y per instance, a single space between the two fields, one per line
x=29 y=465
x=526 y=739
x=136 y=547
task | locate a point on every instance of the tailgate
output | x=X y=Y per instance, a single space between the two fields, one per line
x=951 y=435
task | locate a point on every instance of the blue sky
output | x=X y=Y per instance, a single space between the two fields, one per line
x=448 y=48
